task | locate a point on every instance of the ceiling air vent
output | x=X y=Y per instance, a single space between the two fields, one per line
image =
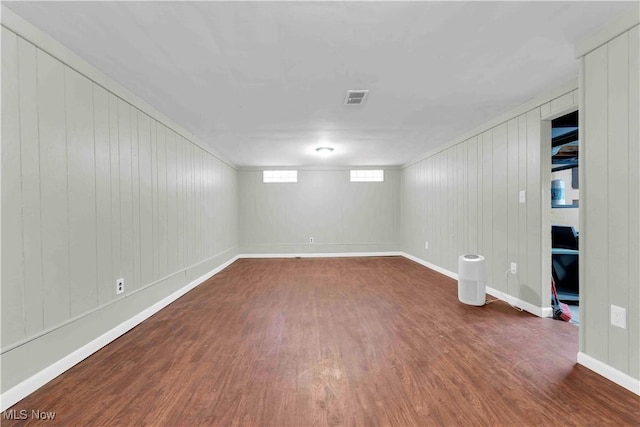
x=355 y=97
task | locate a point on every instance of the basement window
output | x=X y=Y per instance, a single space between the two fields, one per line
x=279 y=176
x=367 y=175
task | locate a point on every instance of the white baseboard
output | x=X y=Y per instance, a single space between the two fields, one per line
x=612 y=374
x=31 y=384
x=431 y=266
x=517 y=302
x=321 y=255
x=538 y=311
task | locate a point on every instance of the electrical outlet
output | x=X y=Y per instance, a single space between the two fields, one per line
x=310 y=239
x=426 y=245
x=522 y=196
x=514 y=268
x=119 y=286
x=619 y=316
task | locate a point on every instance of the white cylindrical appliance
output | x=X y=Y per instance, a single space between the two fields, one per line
x=472 y=279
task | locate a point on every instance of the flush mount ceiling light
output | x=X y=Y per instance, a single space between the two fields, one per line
x=324 y=151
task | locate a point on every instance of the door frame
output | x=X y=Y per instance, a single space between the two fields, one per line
x=545 y=201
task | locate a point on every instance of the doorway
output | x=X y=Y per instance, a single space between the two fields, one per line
x=565 y=201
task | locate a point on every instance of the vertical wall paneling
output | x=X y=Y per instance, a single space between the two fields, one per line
x=213 y=177
x=154 y=199
x=218 y=182
x=472 y=183
x=126 y=193
x=609 y=201
x=197 y=237
x=204 y=202
x=102 y=148
x=195 y=225
x=207 y=204
x=116 y=266
x=13 y=285
x=135 y=192
x=189 y=202
x=532 y=291
x=172 y=206
x=440 y=248
x=596 y=238
x=81 y=169
x=634 y=200
x=199 y=202
x=500 y=205
x=430 y=205
x=210 y=221
x=522 y=207
x=444 y=236
x=480 y=189
x=146 y=198
x=30 y=169
x=427 y=167
x=464 y=220
x=449 y=179
x=512 y=201
x=94 y=189
x=181 y=201
x=54 y=189
x=458 y=202
x=618 y=191
x=216 y=219
x=163 y=221
x=487 y=203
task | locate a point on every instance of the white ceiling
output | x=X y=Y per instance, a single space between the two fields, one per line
x=263 y=83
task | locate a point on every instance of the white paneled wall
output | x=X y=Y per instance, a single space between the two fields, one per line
x=465 y=199
x=610 y=201
x=94 y=189
x=340 y=215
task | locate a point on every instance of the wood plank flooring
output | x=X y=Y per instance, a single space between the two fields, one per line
x=342 y=341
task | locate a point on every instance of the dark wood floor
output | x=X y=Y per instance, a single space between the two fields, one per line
x=347 y=341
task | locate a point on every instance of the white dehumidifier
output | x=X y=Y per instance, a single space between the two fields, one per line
x=472 y=281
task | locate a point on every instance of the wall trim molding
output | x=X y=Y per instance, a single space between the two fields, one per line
x=320 y=255
x=43 y=41
x=518 y=303
x=31 y=384
x=608 y=32
x=610 y=373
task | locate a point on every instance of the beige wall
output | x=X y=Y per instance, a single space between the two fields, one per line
x=94 y=189
x=610 y=198
x=340 y=215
